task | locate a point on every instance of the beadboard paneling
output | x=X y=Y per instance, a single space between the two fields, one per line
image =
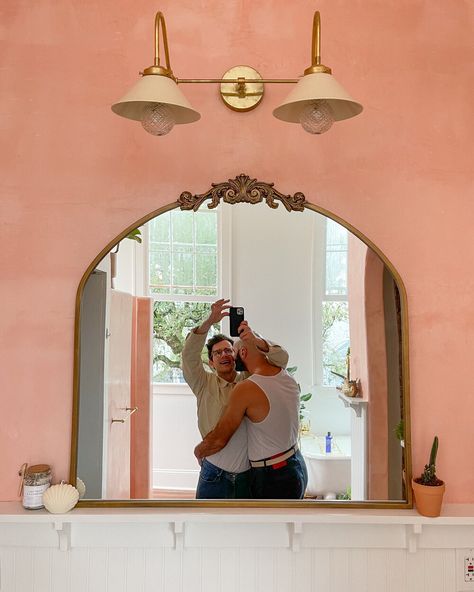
x=31 y=569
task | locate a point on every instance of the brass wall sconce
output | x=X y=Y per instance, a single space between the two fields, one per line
x=316 y=102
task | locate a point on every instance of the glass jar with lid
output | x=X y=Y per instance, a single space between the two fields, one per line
x=36 y=480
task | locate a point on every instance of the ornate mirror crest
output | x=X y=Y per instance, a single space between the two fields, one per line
x=242 y=189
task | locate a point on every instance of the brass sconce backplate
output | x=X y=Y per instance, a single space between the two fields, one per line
x=241 y=95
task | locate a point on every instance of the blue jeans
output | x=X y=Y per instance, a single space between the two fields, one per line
x=215 y=483
x=287 y=482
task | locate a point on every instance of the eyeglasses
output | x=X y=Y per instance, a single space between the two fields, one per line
x=222 y=352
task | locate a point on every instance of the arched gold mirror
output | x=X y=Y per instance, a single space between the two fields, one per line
x=308 y=281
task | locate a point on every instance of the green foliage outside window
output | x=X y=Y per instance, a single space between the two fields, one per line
x=172 y=321
x=335 y=339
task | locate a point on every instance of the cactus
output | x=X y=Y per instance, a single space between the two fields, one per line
x=434 y=451
x=428 y=476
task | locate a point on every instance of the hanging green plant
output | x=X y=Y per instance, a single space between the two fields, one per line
x=135 y=235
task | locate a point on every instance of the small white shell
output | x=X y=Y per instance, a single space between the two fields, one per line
x=59 y=499
x=81 y=487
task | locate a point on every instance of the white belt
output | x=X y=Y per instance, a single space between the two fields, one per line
x=273 y=460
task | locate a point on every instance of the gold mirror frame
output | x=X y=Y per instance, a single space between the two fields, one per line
x=243 y=189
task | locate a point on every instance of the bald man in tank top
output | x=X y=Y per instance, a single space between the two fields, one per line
x=268 y=403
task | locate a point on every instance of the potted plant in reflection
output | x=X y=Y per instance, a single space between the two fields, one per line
x=349 y=388
x=400 y=432
x=428 y=489
x=305 y=424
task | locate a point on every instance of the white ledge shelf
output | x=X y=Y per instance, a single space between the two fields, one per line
x=180 y=529
x=452 y=514
x=356 y=403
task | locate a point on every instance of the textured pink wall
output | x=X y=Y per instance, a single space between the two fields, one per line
x=74 y=175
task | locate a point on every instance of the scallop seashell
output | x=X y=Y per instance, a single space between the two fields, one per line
x=59 y=499
x=81 y=487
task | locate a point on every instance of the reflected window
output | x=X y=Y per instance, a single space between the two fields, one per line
x=183 y=271
x=183 y=253
x=336 y=259
x=335 y=311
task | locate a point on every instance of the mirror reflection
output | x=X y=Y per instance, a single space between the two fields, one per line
x=307 y=285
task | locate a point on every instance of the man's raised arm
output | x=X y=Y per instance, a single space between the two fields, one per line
x=191 y=362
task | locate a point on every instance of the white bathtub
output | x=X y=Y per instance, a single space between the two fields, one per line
x=328 y=473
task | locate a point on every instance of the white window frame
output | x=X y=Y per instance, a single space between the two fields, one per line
x=320 y=296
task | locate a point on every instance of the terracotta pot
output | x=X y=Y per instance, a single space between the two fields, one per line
x=428 y=499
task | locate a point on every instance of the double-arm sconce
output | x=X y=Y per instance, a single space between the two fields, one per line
x=316 y=101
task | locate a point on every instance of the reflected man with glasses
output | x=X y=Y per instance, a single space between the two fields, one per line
x=225 y=474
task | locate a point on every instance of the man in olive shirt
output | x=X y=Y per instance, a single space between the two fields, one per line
x=224 y=474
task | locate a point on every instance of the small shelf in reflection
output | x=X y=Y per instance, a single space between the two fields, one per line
x=356 y=403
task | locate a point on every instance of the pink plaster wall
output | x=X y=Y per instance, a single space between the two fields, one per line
x=74 y=175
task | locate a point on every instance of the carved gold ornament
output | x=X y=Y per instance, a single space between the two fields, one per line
x=242 y=189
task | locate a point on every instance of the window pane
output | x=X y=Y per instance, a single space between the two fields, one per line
x=335 y=341
x=160 y=270
x=336 y=273
x=206 y=270
x=160 y=229
x=336 y=258
x=206 y=229
x=336 y=234
x=182 y=227
x=172 y=321
x=187 y=264
x=183 y=270
x=206 y=291
x=182 y=248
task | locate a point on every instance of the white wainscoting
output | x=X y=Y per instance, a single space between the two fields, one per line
x=232 y=550
x=175 y=435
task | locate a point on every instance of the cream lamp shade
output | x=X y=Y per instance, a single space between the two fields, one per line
x=151 y=90
x=316 y=87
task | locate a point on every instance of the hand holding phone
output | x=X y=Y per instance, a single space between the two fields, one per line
x=236 y=316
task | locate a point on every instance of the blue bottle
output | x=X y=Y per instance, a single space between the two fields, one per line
x=328 y=442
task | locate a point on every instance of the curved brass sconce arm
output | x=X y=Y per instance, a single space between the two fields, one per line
x=316 y=43
x=157 y=68
x=159 y=18
x=316 y=65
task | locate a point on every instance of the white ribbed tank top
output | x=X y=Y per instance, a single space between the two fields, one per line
x=234 y=456
x=279 y=430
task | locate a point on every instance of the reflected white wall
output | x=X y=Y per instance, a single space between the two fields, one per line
x=175 y=434
x=272 y=278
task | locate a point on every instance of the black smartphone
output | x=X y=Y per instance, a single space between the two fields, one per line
x=239 y=365
x=236 y=316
